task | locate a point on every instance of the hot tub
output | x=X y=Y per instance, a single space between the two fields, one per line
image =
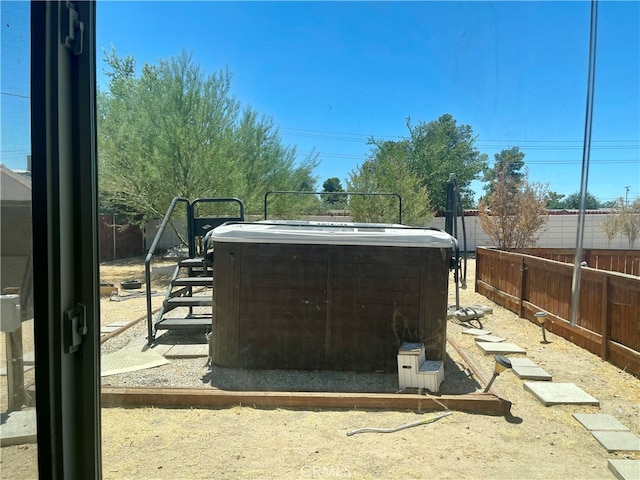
x=327 y=296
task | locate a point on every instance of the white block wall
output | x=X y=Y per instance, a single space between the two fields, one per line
x=559 y=232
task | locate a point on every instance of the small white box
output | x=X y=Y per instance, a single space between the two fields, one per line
x=410 y=356
x=414 y=371
x=431 y=375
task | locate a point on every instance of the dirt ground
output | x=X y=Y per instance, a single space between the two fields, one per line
x=534 y=442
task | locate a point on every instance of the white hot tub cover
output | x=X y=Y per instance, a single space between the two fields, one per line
x=331 y=233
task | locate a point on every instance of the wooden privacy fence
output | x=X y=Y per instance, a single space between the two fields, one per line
x=622 y=261
x=609 y=305
x=118 y=239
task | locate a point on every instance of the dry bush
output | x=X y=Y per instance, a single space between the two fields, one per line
x=513 y=214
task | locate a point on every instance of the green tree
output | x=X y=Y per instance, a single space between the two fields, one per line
x=572 y=202
x=513 y=214
x=433 y=151
x=555 y=201
x=388 y=172
x=334 y=200
x=511 y=160
x=172 y=130
x=266 y=164
x=437 y=149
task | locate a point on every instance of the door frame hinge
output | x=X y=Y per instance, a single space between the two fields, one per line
x=75 y=328
x=72 y=29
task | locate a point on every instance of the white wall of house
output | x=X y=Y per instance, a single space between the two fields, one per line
x=13 y=186
x=15 y=237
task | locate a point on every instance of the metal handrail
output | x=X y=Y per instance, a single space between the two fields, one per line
x=152 y=249
x=397 y=195
x=220 y=220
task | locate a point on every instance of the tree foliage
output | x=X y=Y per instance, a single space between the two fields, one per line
x=173 y=130
x=513 y=214
x=572 y=202
x=610 y=226
x=629 y=220
x=511 y=159
x=335 y=200
x=554 y=201
x=432 y=152
x=388 y=172
x=439 y=148
x=624 y=219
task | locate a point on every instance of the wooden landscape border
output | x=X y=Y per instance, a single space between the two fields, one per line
x=480 y=403
x=609 y=312
x=491 y=403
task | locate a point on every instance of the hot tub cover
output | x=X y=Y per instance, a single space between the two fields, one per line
x=332 y=233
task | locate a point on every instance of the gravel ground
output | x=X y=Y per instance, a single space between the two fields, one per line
x=196 y=373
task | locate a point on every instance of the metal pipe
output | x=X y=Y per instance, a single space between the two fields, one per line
x=586 y=151
x=147 y=261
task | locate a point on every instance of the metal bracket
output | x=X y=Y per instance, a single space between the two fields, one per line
x=72 y=29
x=75 y=328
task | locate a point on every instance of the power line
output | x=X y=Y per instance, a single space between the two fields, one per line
x=301 y=132
x=364 y=156
x=15 y=95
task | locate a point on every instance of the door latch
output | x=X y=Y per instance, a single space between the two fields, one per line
x=75 y=328
x=72 y=30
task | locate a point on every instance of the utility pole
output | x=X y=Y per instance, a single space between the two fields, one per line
x=626 y=195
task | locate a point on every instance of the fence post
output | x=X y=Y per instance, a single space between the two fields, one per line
x=587 y=257
x=606 y=324
x=522 y=285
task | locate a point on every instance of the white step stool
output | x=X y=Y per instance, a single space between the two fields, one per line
x=414 y=371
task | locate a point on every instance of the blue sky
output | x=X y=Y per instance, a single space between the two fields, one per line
x=331 y=74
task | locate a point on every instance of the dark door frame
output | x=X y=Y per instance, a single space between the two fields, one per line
x=66 y=279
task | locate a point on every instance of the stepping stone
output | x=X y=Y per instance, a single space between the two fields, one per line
x=522 y=362
x=617 y=441
x=527 y=370
x=625 y=469
x=599 y=421
x=162 y=348
x=18 y=428
x=531 y=372
x=188 y=351
x=489 y=338
x=490 y=348
x=130 y=359
x=559 y=394
x=476 y=331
